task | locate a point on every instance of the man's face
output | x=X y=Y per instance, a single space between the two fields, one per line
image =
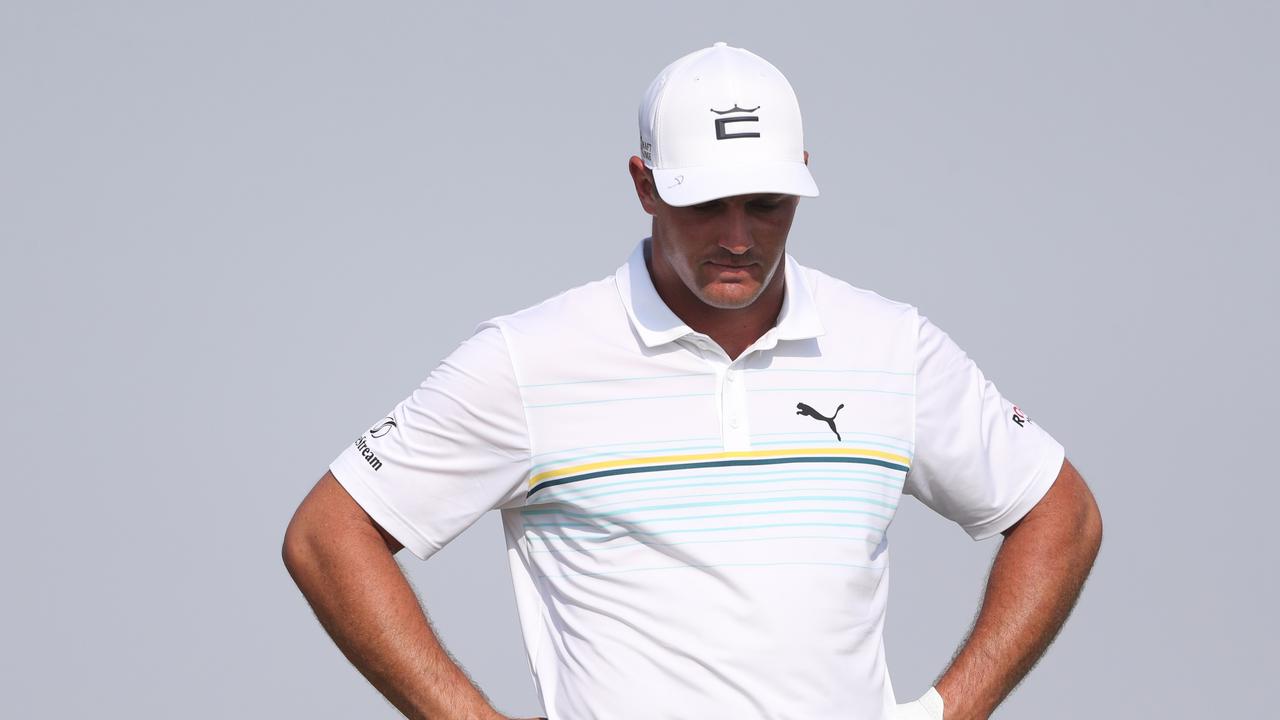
x=725 y=252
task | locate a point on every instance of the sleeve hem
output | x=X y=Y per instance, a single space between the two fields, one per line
x=1031 y=494
x=380 y=511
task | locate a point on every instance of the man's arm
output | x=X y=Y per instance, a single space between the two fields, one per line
x=343 y=563
x=1035 y=579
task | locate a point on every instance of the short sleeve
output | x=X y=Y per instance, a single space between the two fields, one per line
x=452 y=450
x=979 y=460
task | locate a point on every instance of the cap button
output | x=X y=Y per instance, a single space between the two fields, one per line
x=719 y=44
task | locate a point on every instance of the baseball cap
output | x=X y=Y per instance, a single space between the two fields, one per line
x=723 y=121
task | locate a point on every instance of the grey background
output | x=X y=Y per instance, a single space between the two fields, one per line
x=235 y=234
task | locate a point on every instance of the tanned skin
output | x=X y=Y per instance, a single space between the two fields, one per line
x=344 y=564
x=1035 y=580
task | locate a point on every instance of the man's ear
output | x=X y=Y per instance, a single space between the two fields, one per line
x=806 y=157
x=645 y=190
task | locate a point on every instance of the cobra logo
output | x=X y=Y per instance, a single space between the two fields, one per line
x=382 y=428
x=735 y=115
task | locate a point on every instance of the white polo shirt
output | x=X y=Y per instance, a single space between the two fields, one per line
x=689 y=536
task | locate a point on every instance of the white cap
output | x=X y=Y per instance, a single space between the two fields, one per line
x=723 y=121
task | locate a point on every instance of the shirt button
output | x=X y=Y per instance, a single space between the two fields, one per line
x=733 y=421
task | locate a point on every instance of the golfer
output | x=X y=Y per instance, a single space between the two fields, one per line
x=697 y=459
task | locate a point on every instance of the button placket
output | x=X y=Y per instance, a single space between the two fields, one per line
x=736 y=432
x=731 y=392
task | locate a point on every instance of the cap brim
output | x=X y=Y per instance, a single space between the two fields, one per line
x=692 y=185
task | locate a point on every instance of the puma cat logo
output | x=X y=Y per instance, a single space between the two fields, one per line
x=802 y=409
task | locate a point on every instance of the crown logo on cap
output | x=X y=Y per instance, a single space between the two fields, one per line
x=722 y=132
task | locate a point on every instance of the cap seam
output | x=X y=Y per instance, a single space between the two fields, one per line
x=655 y=147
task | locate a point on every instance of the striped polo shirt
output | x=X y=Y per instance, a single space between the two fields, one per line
x=690 y=535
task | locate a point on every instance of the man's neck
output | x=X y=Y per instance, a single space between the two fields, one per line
x=732 y=329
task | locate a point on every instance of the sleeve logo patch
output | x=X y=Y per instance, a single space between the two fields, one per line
x=1019 y=416
x=382 y=428
x=367 y=453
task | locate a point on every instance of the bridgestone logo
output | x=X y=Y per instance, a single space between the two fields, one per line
x=369 y=457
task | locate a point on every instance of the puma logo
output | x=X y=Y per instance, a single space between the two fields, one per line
x=802 y=409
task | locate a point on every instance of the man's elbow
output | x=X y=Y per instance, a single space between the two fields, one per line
x=309 y=534
x=1081 y=507
x=327 y=523
x=296 y=550
x=1091 y=522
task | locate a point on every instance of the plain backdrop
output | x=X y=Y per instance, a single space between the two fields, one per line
x=235 y=234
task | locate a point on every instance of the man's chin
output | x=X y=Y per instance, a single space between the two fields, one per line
x=729 y=296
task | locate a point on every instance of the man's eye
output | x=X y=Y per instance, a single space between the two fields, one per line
x=766 y=206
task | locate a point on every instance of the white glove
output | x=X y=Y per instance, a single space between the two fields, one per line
x=928 y=707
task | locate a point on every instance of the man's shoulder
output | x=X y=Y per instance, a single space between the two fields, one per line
x=833 y=294
x=576 y=308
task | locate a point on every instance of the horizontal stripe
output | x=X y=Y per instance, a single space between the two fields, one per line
x=750 y=371
x=638 y=543
x=811 y=435
x=639 y=442
x=712 y=463
x=618 y=399
x=828 y=389
x=577 y=498
x=727 y=498
x=726 y=528
x=871 y=443
x=717 y=503
x=628 y=453
x=572 y=494
x=663 y=460
x=619 y=379
x=634 y=453
x=692 y=565
x=676 y=518
x=823 y=433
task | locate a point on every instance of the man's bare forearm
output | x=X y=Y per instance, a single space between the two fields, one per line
x=1035 y=580
x=367 y=606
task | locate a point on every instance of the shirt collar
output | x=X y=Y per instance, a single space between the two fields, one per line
x=656 y=324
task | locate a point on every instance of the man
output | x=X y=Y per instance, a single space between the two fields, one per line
x=696 y=460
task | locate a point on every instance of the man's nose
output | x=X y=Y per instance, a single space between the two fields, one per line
x=736 y=233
